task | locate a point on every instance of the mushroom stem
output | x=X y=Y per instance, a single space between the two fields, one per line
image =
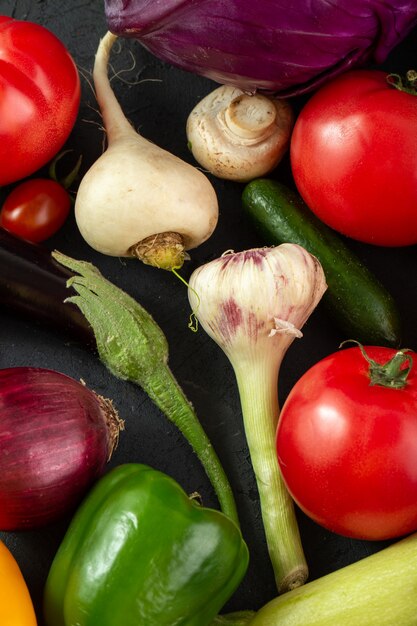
x=250 y=117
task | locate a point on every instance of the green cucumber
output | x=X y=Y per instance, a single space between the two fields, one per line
x=362 y=308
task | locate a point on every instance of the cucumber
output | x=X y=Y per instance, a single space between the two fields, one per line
x=362 y=308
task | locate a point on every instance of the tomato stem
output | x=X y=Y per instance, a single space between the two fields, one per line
x=70 y=178
x=408 y=84
x=393 y=373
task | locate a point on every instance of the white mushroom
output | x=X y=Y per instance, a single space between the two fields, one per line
x=238 y=136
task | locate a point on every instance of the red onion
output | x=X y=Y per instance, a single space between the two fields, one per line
x=56 y=436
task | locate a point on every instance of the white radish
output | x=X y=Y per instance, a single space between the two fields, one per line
x=138 y=199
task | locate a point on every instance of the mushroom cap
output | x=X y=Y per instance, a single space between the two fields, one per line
x=239 y=136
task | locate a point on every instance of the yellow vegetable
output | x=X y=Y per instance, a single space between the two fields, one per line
x=16 y=608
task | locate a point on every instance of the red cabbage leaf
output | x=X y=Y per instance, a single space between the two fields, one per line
x=284 y=46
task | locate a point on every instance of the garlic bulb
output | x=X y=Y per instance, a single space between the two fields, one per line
x=254 y=304
x=238 y=136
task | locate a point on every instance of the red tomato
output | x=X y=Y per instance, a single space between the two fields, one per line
x=348 y=450
x=354 y=158
x=39 y=97
x=35 y=209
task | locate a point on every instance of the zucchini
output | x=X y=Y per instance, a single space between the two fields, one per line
x=363 y=309
x=379 y=590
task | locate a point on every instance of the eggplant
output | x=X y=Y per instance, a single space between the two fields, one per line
x=34 y=286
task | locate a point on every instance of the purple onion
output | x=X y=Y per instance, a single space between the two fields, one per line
x=285 y=46
x=56 y=436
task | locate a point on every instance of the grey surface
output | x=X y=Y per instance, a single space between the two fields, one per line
x=158 y=101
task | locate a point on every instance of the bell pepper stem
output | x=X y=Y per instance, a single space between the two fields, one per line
x=240 y=618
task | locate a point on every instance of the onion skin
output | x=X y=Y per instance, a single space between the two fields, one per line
x=56 y=436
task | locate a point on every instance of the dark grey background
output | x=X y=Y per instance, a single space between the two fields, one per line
x=158 y=102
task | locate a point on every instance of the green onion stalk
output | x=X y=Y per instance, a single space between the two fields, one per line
x=134 y=348
x=253 y=304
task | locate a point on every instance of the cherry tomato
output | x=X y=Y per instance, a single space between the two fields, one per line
x=35 y=209
x=39 y=97
x=354 y=158
x=348 y=449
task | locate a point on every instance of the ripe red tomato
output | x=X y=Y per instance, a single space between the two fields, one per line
x=39 y=97
x=354 y=158
x=348 y=450
x=35 y=209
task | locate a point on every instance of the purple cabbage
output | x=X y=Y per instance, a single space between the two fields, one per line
x=282 y=46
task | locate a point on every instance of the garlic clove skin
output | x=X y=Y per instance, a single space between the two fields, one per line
x=239 y=136
x=255 y=302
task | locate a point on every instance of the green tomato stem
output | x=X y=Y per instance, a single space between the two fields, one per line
x=393 y=373
x=134 y=348
x=70 y=178
x=408 y=84
x=259 y=399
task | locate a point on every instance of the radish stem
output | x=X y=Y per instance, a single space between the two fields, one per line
x=115 y=121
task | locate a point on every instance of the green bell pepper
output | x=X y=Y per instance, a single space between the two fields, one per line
x=140 y=552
